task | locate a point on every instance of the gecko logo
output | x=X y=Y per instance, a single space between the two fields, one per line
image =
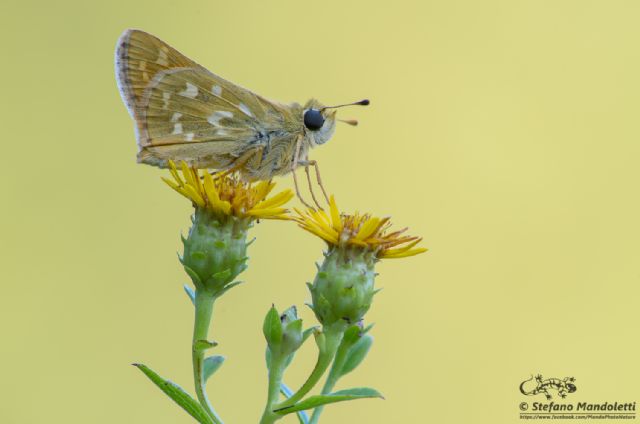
x=546 y=386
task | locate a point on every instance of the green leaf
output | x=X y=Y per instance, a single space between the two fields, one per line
x=211 y=365
x=190 y=293
x=339 y=396
x=356 y=354
x=219 y=278
x=303 y=418
x=272 y=328
x=194 y=276
x=204 y=344
x=228 y=287
x=351 y=335
x=306 y=333
x=178 y=395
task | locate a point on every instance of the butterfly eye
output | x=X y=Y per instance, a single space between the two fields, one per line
x=313 y=119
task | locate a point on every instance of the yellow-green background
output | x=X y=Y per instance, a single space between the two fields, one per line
x=504 y=132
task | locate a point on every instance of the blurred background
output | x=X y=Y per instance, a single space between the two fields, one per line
x=504 y=132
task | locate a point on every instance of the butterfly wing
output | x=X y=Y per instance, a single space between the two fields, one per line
x=184 y=112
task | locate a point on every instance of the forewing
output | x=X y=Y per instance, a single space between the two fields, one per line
x=139 y=57
x=184 y=112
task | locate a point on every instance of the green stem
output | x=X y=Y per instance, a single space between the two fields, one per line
x=333 y=336
x=276 y=371
x=204 y=310
x=332 y=379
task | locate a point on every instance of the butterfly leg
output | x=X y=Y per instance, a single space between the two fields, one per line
x=295 y=178
x=313 y=195
x=314 y=163
x=240 y=162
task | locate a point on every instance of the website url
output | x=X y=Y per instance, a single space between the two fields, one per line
x=535 y=416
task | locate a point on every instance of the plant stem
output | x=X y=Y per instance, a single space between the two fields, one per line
x=332 y=379
x=333 y=336
x=204 y=310
x=276 y=370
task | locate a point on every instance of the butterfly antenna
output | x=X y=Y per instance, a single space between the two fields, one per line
x=364 y=102
x=352 y=122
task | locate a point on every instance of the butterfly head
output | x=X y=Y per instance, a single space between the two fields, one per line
x=320 y=120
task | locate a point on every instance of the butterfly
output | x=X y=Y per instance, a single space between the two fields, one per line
x=184 y=112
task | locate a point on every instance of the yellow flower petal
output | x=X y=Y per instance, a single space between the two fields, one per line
x=170 y=183
x=174 y=173
x=406 y=254
x=277 y=200
x=210 y=189
x=336 y=221
x=368 y=228
x=194 y=195
x=320 y=234
x=403 y=248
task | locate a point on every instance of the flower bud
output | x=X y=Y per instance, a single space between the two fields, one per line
x=283 y=333
x=344 y=286
x=215 y=250
x=291 y=331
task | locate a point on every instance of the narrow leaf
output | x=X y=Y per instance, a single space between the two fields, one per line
x=303 y=418
x=339 y=396
x=190 y=293
x=194 y=276
x=211 y=365
x=228 y=287
x=309 y=331
x=178 y=395
x=204 y=344
x=356 y=354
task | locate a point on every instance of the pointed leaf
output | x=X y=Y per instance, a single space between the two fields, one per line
x=272 y=328
x=228 y=287
x=211 y=365
x=219 y=277
x=190 y=293
x=194 y=276
x=306 y=333
x=351 y=335
x=204 y=344
x=303 y=418
x=356 y=354
x=178 y=395
x=339 y=396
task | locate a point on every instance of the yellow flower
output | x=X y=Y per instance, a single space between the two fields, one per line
x=228 y=194
x=358 y=230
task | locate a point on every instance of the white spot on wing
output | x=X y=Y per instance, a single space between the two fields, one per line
x=177 y=128
x=165 y=98
x=216 y=90
x=215 y=117
x=189 y=136
x=176 y=116
x=221 y=133
x=162 y=59
x=191 y=91
x=245 y=109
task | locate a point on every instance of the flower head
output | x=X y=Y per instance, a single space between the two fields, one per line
x=343 y=288
x=362 y=231
x=215 y=251
x=228 y=195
